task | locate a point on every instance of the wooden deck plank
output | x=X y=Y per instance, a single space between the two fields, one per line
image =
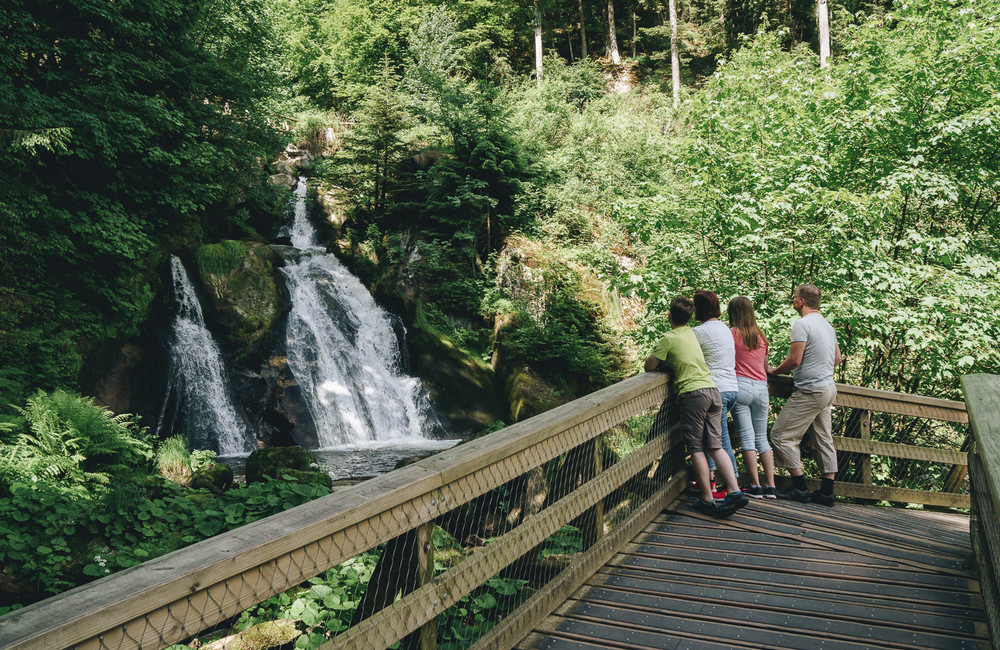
x=833 y=608
x=781 y=574
x=802 y=522
x=845 y=520
x=733 y=620
x=789 y=589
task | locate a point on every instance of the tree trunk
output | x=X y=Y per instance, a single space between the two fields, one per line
x=675 y=59
x=583 y=32
x=635 y=36
x=612 y=37
x=538 y=43
x=823 y=17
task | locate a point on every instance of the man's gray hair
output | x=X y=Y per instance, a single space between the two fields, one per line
x=809 y=294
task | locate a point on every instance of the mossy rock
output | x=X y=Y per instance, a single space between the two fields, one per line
x=309 y=476
x=529 y=394
x=462 y=388
x=276 y=461
x=215 y=477
x=245 y=295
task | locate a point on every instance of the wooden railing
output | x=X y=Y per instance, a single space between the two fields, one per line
x=858 y=405
x=982 y=395
x=176 y=596
x=202 y=587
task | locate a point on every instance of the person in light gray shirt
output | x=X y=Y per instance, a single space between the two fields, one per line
x=717 y=345
x=813 y=354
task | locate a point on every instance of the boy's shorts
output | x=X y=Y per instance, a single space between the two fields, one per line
x=701 y=419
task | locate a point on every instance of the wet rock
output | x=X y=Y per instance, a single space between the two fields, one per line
x=275 y=462
x=214 y=477
x=245 y=292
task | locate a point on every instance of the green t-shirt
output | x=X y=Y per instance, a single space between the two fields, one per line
x=681 y=351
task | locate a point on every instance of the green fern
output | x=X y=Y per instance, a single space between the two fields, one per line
x=69 y=437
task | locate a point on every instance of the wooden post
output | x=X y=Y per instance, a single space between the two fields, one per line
x=956 y=477
x=866 y=460
x=592 y=521
x=424 y=556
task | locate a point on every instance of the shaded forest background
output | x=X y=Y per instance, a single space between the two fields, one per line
x=548 y=220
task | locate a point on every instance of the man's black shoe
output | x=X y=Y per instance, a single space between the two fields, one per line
x=795 y=494
x=822 y=499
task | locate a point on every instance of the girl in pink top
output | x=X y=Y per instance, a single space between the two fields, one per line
x=752 y=401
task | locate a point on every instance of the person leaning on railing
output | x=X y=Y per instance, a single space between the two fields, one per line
x=717 y=345
x=752 y=399
x=813 y=354
x=700 y=407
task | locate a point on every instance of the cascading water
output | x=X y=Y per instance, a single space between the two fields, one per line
x=343 y=351
x=197 y=386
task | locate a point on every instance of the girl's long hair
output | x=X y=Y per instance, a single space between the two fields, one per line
x=741 y=317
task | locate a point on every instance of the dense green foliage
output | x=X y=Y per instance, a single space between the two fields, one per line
x=79 y=497
x=127 y=129
x=875 y=180
x=67 y=439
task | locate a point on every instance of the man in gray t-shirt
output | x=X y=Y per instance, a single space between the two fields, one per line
x=813 y=354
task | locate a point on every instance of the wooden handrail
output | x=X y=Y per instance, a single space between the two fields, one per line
x=884 y=401
x=871 y=400
x=285 y=549
x=982 y=395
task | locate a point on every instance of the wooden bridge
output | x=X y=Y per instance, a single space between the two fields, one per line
x=570 y=530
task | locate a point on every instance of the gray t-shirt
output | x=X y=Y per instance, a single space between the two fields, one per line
x=720 y=353
x=816 y=369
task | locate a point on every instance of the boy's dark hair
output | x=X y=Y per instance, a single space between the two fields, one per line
x=681 y=309
x=706 y=305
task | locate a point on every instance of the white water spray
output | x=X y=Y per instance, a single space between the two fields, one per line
x=343 y=351
x=196 y=384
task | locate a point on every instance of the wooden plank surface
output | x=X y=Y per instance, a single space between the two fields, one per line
x=780 y=575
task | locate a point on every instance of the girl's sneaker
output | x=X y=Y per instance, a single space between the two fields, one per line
x=754 y=492
x=770 y=492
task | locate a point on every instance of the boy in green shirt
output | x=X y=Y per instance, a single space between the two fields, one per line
x=700 y=408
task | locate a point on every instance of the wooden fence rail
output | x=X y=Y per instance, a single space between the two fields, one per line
x=866 y=401
x=982 y=394
x=173 y=597
x=179 y=595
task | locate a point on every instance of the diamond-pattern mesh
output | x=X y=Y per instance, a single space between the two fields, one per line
x=921 y=473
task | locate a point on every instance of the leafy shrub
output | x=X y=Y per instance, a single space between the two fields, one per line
x=568 y=539
x=324 y=604
x=567 y=340
x=57 y=535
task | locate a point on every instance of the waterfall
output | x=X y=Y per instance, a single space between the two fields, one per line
x=301 y=232
x=343 y=351
x=197 y=386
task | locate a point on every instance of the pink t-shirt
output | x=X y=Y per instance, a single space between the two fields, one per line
x=751 y=364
